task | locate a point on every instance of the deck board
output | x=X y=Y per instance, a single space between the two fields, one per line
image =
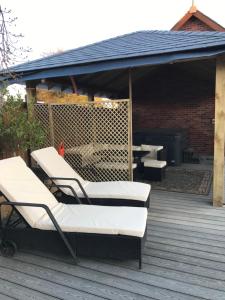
x=184 y=258
x=17 y=291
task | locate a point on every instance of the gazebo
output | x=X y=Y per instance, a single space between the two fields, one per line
x=171 y=77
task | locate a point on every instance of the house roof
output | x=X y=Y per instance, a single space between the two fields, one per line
x=194 y=12
x=126 y=51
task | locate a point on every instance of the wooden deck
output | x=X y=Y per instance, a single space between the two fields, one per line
x=184 y=258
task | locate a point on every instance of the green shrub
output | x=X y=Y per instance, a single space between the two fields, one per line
x=17 y=132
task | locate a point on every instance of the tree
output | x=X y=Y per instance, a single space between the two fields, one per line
x=9 y=41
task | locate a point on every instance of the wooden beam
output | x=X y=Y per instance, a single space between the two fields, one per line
x=51 y=125
x=30 y=98
x=74 y=85
x=130 y=130
x=91 y=97
x=219 y=139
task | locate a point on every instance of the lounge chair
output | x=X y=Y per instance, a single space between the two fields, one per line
x=86 y=230
x=119 y=193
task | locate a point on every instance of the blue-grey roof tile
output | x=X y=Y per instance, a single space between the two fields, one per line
x=137 y=44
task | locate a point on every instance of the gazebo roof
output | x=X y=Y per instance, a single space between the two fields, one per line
x=131 y=50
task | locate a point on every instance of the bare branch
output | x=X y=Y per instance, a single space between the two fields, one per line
x=10 y=51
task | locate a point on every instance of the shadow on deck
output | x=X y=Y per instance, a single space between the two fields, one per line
x=184 y=258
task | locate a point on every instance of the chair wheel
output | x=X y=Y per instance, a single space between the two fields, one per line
x=8 y=248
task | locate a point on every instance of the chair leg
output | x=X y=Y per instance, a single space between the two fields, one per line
x=140 y=255
x=65 y=240
x=140 y=262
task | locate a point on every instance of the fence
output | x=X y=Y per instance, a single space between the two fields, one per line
x=96 y=135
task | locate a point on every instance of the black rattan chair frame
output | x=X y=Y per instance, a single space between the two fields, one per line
x=76 y=243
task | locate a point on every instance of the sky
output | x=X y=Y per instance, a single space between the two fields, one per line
x=52 y=25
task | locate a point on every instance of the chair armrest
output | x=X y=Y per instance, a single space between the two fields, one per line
x=68 y=187
x=45 y=207
x=79 y=184
x=52 y=218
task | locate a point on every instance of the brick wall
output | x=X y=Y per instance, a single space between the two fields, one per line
x=174 y=99
x=194 y=24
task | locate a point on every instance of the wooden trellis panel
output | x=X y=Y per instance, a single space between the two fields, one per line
x=96 y=136
x=42 y=114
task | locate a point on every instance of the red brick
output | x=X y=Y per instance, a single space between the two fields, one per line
x=176 y=100
x=194 y=24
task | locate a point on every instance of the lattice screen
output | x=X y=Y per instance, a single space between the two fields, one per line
x=96 y=136
x=42 y=114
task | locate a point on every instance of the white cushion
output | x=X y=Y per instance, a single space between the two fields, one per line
x=155 y=163
x=146 y=147
x=114 y=166
x=136 y=148
x=86 y=153
x=81 y=149
x=151 y=148
x=153 y=152
x=98 y=219
x=150 y=155
x=55 y=166
x=118 y=147
x=19 y=184
x=118 y=190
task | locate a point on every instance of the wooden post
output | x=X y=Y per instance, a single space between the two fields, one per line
x=219 y=138
x=31 y=98
x=74 y=85
x=51 y=125
x=91 y=97
x=130 y=137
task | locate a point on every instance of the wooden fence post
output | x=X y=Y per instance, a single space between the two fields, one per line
x=51 y=125
x=219 y=138
x=31 y=98
x=130 y=131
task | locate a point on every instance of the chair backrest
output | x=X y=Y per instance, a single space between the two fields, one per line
x=19 y=184
x=55 y=165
